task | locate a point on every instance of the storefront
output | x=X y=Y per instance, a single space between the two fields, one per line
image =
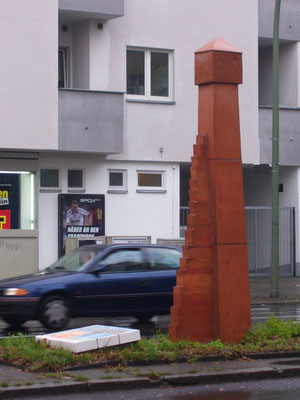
x=18 y=236
x=17 y=205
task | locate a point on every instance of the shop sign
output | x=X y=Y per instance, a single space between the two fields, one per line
x=4 y=219
x=4 y=199
x=10 y=201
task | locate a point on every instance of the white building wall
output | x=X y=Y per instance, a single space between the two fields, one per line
x=298 y=227
x=130 y=214
x=99 y=63
x=28 y=79
x=183 y=27
x=258 y=192
x=298 y=72
x=81 y=55
x=290 y=177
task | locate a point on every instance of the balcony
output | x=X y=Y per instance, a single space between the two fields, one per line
x=289 y=135
x=90 y=121
x=289 y=20
x=71 y=11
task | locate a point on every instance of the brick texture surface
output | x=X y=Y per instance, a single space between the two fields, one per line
x=211 y=297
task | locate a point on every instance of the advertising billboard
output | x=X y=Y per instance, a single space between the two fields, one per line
x=79 y=216
x=9 y=201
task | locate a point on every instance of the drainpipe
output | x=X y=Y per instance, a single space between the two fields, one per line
x=275 y=157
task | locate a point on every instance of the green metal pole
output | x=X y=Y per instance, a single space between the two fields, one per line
x=275 y=157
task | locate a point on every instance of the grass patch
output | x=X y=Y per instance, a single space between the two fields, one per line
x=80 y=378
x=153 y=375
x=272 y=336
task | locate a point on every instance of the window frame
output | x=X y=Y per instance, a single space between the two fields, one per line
x=147 y=97
x=76 y=189
x=151 y=189
x=66 y=67
x=117 y=189
x=50 y=188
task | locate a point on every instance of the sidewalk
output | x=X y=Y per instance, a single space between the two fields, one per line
x=15 y=382
x=289 y=290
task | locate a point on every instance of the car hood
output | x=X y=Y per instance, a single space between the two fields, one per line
x=18 y=281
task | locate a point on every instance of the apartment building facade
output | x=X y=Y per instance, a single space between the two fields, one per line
x=99 y=104
x=257 y=178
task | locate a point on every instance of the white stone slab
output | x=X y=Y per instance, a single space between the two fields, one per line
x=90 y=337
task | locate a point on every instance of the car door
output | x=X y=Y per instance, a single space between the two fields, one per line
x=121 y=285
x=162 y=262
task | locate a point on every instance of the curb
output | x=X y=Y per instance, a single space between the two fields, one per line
x=233 y=375
x=146 y=383
x=80 y=387
x=270 y=302
x=252 y=356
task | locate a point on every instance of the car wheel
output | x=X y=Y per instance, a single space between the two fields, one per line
x=55 y=312
x=144 y=317
x=15 y=322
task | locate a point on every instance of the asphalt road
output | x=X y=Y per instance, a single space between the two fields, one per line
x=280 y=389
x=160 y=323
x=282 y=311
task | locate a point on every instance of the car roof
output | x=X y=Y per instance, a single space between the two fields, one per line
x=132 y=245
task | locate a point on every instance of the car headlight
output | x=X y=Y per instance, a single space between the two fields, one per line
x=15 y=292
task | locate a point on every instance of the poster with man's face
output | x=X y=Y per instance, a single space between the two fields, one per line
x=80 y=216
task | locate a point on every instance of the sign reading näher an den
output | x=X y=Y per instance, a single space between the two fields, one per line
x=80 y=216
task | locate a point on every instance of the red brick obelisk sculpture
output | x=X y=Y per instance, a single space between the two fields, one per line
x=211 y=297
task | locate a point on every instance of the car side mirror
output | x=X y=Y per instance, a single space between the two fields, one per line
x=98 y=269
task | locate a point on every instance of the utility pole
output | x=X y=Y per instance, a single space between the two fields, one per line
x=275 y=157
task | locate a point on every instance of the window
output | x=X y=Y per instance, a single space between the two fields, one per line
x=149 y=74
x=163 y=258
x=117 y=181
x=75 y=179
x=49 y=178
x=17 y=200
x=127 y=260
x=63 y=67
x=151 y=181
x=76 y=260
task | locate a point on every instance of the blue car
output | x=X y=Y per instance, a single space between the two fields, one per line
x=95 y=280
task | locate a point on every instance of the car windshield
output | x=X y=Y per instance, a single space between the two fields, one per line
x=76 y=260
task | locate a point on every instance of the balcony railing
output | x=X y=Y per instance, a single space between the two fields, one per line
x=258 y=224
x=90 y=121
x=71 y=11
x=289 y=138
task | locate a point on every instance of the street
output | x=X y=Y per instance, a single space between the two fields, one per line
x=281 y=389
x=160 y=323
x=280 y=310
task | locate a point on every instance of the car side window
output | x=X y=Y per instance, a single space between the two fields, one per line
x=124 y=260
x=163 y=258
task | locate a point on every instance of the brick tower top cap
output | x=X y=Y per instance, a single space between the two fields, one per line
x=218 y=44
x=218 y=62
